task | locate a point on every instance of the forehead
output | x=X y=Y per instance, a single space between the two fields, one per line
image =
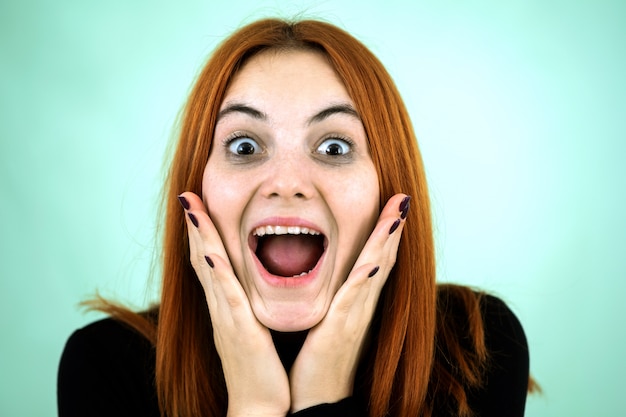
x=290 y=74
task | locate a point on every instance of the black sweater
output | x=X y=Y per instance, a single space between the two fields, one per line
x=107 y=369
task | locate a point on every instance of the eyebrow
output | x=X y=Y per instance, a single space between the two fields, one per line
x=342 y=108
x=241 y=108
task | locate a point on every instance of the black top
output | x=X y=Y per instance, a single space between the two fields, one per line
x=107 y=369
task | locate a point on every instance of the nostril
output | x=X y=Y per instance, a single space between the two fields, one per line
x=296 y=195
x=289 y=186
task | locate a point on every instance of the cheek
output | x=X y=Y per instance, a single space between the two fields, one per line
x=223 y=200
x=366 y=194
x=358 y=205
x=212 y=194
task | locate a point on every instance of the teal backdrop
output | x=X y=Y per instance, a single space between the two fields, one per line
x=519 y=107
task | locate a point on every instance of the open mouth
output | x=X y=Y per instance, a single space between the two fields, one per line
x=287 y=251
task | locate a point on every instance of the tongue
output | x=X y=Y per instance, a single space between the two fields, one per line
x=289 y=255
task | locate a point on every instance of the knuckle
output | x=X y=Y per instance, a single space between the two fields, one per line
x=390 y=258
x=197 y=261
x=194 y=261
x=234 y=302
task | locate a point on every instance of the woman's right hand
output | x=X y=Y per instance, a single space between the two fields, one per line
x=256 y=381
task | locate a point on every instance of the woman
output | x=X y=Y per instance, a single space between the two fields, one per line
x=299 y=275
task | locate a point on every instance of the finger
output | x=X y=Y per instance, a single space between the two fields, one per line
x=198 y=220
x=381 y=247
x=224 y=293
x=200 y=246
x=361 y=291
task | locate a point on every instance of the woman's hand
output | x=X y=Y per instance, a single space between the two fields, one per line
x=325 y=368
x=256 y=381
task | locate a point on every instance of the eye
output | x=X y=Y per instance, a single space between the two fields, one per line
x=244 y=146
x=335 y=147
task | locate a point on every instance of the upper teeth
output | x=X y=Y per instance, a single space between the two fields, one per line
x=283 y=230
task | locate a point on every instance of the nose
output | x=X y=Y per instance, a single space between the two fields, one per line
x=288 y=176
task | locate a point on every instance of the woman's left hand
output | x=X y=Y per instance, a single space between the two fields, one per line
x=325 y=368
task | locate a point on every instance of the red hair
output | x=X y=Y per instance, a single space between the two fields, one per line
x=398 y=370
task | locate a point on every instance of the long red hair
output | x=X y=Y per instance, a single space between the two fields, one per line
x=398 y=369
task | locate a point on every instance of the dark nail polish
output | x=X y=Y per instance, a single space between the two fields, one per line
x=183 y=202
x=394 y=226
x=404 y=207
x=193 y=219
x=373 y=271
x=209 y=261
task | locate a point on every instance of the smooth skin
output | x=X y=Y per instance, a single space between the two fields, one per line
x=309 y=164
x=362 y=244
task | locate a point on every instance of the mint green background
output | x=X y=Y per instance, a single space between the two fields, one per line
x=520 y=109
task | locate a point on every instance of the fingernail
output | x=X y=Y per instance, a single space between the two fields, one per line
x=193 y=219
x=373 y=271
x=209 y=261
x=394 y=226
x=183 y=202
x=404 y=206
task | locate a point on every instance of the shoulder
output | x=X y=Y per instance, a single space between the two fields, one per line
x=106 y=367
x=466 y=310
x=503 y=330
x=109 y=331
x=505 y=385
x=482 y=348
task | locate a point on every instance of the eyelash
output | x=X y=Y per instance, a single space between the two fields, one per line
x=349 y=142
x=339 y=137
x=230 y=139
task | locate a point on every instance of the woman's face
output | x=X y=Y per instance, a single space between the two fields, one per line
x=290 y=185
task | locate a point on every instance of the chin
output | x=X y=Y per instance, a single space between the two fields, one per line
x=294 y=318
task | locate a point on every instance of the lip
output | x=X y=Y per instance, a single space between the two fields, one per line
x=279 y=281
